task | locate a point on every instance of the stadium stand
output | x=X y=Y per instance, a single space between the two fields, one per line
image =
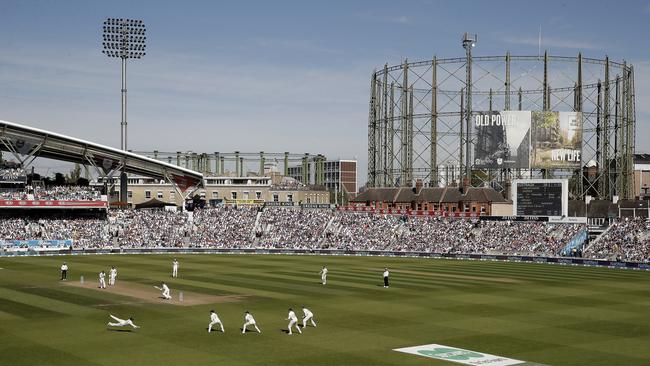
x=627 y=239
x=296 y=228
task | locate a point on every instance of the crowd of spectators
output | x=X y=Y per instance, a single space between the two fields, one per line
x=53 y=193
x=362 y=232
x=435 y=234
x=66 y=193
x=523 y=237
x=14 y=195
x=148 y=228
x=291 y=228
x=84 y=232
x=11 y=174
x=223 y=227
x=627 y=239
x=279 y=227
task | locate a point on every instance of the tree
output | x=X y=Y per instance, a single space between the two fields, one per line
x=59 y=179
x=82 y=182
x=74 y=174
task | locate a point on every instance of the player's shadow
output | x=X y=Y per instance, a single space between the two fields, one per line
x=119 y=330
x=286 y=331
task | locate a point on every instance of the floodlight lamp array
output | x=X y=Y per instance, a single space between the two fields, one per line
x=124 y=38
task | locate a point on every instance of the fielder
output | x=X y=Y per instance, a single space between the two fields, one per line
x=214 y=319
x=323 y=275
x=165 y=291
x=64 y=271
x=112 y=274
x=122 y=322
x=293 y=320
x=175 y=268
x=249 y=320
x=102 y=279
x=308 y=315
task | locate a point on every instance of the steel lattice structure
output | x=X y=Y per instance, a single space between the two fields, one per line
x=418 y=125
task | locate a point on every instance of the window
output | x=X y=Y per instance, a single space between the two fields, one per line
x=258 y=195
x=172 y=196
x=129 y=194
x=159 y=194
x=215 y=194
x=308 y=199
x=233 y=195
x=289 y=197
x=275 y=197
x=147 y=195
x=245 y=195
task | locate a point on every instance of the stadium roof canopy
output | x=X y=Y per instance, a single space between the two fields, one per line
x=32 y=142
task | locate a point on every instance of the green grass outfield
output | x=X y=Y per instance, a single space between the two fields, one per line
x=547 y=314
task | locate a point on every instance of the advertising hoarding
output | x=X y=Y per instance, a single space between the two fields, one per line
x=502 y=139
x=556 y=140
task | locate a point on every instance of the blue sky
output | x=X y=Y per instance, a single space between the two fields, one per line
x=273 y=75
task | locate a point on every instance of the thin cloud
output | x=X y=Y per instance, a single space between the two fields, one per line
x=397 y=19
x=552 y=42
x=402 y=19
x=295 y=45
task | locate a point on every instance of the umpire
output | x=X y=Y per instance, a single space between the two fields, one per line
x=64 y=271
x=386 y=277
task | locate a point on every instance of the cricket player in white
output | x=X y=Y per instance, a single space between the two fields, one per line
x=122 y=322
x=249 y=320
x=102 y=279
x=323 y=275
x=165 y=292
x=293 y=320
x=175 y=268
x=214 y=319
x=112 y=274
x=308 y=315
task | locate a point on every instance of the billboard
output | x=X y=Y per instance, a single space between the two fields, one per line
x=527 y=139
x=502 y=139
x=556 y=140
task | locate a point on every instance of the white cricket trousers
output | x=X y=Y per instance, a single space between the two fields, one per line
x=250 y=323
x=306 y=319
x=293 y=323
x=213 y=323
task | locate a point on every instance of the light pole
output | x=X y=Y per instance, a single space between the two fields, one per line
x=124 y=39
x=469 y=42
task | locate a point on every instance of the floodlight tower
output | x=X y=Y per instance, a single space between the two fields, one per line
x=469 y=42
x=124 y=39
